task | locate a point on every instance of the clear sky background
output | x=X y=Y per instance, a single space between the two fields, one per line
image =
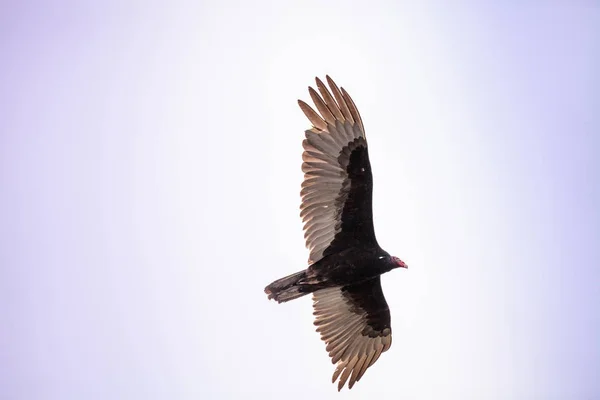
x=149 y=189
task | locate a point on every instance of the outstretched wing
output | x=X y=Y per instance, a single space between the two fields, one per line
x=337 y=190
x=354 y=321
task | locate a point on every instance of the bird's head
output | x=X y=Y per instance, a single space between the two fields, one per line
x=398 y=263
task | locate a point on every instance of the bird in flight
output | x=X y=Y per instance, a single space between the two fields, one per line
x=345 y=261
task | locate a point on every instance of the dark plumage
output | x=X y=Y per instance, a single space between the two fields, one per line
x=345 y=261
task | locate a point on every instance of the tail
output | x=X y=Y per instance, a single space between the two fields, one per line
x=288 y=288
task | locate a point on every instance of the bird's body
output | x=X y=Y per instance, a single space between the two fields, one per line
x=345 y=262
x=353 y=265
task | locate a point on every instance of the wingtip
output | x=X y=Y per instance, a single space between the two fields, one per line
x=330 y=81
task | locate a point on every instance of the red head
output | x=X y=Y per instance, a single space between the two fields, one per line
x=399 y=263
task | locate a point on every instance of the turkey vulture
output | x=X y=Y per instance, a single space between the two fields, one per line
x=345 y=261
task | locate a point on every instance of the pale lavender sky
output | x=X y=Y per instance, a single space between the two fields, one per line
x=150 y=177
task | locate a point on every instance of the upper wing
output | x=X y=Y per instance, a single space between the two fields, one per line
x=354 y=321
x=337 y=189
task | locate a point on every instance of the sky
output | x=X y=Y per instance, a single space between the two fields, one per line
x=150 y=173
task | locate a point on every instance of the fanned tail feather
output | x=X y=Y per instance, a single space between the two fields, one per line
x=287 y=288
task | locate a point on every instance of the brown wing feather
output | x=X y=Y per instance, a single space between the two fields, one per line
x=354 y=322
x=337 y=131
